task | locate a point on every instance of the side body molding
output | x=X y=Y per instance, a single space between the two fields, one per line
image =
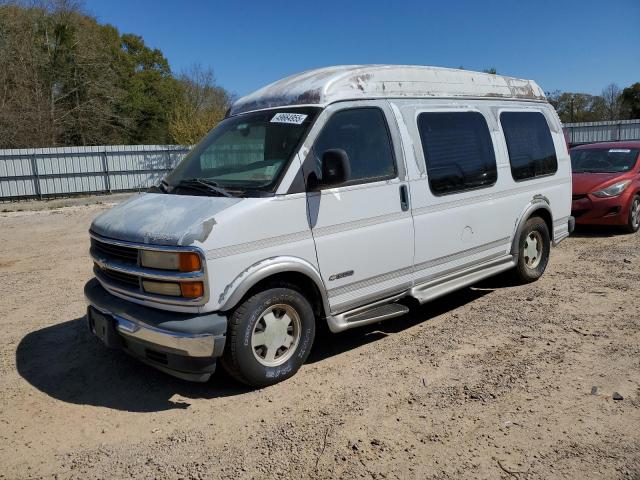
x=538 y=202
x=240 y=285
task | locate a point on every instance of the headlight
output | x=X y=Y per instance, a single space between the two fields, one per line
x=182 y=262
x=612 y=190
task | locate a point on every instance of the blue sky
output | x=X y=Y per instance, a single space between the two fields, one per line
x=563 y=44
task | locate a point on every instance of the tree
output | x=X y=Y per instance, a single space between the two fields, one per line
x=151 y=92
x=67 y=80
x=491 y=70
x=612 y=102
x=630 y=101
x=201 y=106
x=577 y=107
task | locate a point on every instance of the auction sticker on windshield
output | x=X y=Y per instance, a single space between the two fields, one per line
x=294 y=118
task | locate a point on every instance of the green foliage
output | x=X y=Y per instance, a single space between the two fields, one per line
x=68 y=80
x=630 y=100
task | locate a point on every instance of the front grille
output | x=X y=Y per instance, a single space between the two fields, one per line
x=578 y=197
x=120 y=277
x=117 y=267
x=115 y=252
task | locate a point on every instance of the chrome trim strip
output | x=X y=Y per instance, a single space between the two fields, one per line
x=142 y=272
x=110 y=287
x=193 y=345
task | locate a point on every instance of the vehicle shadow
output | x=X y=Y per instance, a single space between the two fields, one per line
x=594 y=231
x=68 y=363
x=328 y=344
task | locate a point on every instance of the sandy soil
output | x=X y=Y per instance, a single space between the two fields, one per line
x=493 y=381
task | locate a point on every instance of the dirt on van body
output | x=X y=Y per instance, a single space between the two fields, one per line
x=494 y=381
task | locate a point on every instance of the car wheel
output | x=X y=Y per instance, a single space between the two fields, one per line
x=533 y=250
x=633 y=222
x=269 y=336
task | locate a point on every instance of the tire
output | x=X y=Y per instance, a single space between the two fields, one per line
x=633 y=221
x=279 y=315
x=534 y=238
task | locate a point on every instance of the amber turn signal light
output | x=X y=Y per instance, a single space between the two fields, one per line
x=192 y=289
x=189 y=262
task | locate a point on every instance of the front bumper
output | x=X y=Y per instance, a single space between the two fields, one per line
x=590 y=210
x=183 y=345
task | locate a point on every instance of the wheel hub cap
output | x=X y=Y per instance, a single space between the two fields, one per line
x=276 y=335
x=533 y=249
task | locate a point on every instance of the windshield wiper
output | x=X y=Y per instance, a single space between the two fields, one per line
x=202 y=184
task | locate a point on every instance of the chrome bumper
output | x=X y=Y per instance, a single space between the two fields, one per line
x=192 y=345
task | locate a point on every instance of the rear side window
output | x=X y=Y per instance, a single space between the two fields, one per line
x=363 y=134
x=458 y=151
x=530 y=146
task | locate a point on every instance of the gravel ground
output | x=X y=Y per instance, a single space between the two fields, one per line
x=493 y=381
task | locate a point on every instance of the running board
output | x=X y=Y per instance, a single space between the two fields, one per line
x=444 y=285
x=366 y=315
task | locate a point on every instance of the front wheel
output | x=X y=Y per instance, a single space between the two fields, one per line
x=633 y=222
x=269 y=336
x=533 y=250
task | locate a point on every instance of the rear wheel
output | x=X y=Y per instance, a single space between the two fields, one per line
x=269 y=336
x=633 y=222
x=533 y=250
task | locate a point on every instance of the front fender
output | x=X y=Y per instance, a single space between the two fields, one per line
x=238 y=288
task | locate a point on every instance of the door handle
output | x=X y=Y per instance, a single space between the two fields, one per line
x=404 y=198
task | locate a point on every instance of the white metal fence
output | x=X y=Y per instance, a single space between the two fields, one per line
x=611 y=131
x=63 y=171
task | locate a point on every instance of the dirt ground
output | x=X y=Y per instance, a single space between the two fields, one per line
x=494 y=381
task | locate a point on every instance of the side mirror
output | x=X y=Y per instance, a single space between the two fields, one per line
x=336 y=168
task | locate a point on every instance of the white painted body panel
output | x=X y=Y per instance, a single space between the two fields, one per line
x=481 y=223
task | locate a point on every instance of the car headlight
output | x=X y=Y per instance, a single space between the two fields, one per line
x=612 y=190
x=177 y=261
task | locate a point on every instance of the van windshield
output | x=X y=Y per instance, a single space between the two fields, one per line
x=244 y=152
x=603 y=160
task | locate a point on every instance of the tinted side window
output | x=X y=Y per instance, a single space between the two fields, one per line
x=531 y=150
x=363 y=134
x=457 y=150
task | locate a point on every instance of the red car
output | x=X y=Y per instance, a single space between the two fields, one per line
x=606 y=184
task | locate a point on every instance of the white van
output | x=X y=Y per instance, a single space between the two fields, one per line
x=333 y=196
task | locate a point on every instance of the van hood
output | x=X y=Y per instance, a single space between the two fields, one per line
x=584 y=183
x=162 y=219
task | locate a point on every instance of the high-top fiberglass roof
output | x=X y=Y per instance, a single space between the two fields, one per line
x=351 y=82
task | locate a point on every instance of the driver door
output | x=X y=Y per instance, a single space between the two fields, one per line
x=363 y=230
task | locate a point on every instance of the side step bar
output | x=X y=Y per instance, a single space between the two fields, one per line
x=447 y=284
x=374 y=313
x=430 y=290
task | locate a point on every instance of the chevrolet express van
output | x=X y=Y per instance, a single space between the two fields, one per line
x=335 y=196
